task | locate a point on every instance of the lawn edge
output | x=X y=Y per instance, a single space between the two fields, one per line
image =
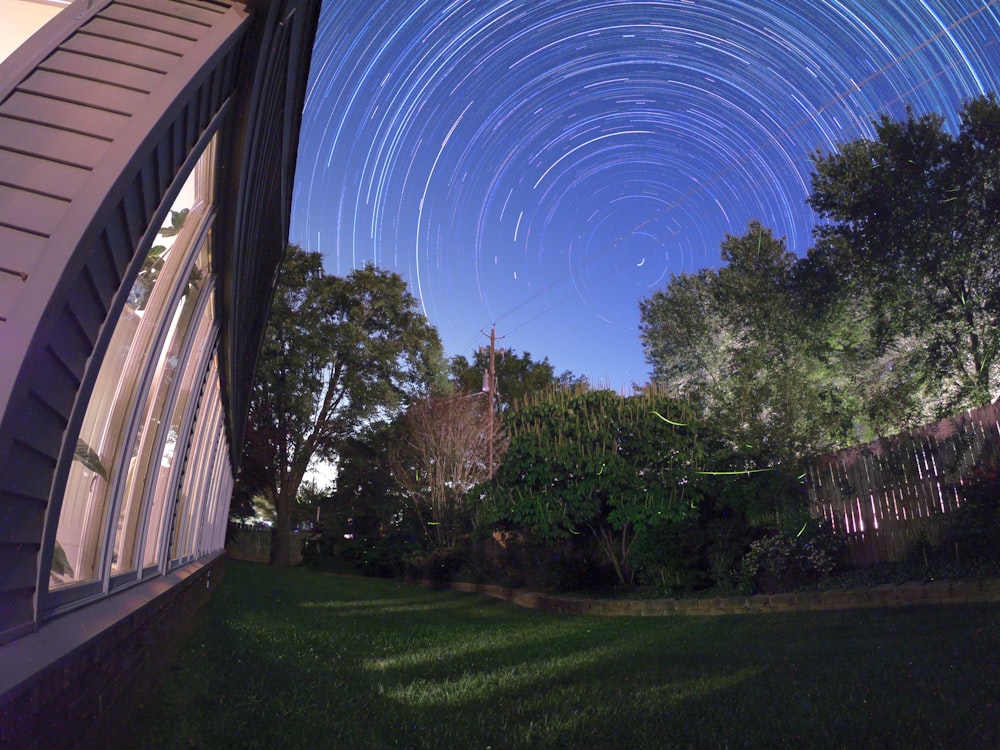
x=885 y=595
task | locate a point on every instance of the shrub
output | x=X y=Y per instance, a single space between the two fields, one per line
x=671 y=556
x=519 y=559
x=972 y=531
x=779 y=562
x=380 y=556
x=442 y=564
x=695 y=553
x=731 y=539
x=963 y=542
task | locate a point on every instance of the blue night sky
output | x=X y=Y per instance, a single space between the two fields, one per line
x=545 y=164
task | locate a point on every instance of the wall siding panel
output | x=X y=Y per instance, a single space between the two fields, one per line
x=75 y=118
x=149 y=60
x=11 y=286
x=203 y=13
x=100 y=69
x=141 y=39
x=136 y=75
x=83 y=90
x=102 y=274
x=29 y=211
x=53 y=143
x=161 y=72
x=28 y=475
x=23 y=522
x=41 y=175
x=182 y=28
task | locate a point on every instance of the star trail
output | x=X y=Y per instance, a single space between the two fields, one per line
x=544 y=164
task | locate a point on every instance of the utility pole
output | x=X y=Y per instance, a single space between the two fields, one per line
x=489 y=385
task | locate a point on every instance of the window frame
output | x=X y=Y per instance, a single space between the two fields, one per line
x=192 y=246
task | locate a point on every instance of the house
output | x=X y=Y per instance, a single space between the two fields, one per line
x=147 y=152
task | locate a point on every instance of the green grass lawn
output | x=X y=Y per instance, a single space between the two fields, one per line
x=292 y=658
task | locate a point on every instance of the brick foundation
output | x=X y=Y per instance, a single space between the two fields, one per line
x=91 y=664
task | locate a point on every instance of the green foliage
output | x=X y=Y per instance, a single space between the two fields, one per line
x=741 y=342
x=745 y=481
x=338 y=354
x=893 y=318
x=740 y=499
x=685 y=335
x=673 y=556
x=782 y=562
x=597 y=462
x=706 y=548
x=568 y=564
x=970 y=533
x=367 y=524
x=913 y=218
x=518 y=376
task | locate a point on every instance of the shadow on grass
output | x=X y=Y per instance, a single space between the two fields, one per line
x=296 y=659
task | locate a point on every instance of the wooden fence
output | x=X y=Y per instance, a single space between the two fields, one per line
x=883 y=496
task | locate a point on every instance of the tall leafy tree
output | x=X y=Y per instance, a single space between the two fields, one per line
x=339 y=354
x=742 y=343
x=867 y=393
x=913 y=217
x=367 y=520
x=686 y=337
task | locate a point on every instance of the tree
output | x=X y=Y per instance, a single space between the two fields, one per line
x=866 y=394
x=518 y=376
x=367 y=521
x=443 y=453
x=686 y=338
x=914 y=217
x=594 y=461
x=741 y=343
x=338 y=354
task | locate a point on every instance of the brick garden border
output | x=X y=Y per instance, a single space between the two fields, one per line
x=886 y=595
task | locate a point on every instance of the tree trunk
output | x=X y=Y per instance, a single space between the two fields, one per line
x=606 y=539
x=281 y=532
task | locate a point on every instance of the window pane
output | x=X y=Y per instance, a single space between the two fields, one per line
x=149 y=435
x=165 y=469
x=220 y=471
x=198 y=462
x=203 y=496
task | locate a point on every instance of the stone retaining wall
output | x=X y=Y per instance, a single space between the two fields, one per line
x=888 y=595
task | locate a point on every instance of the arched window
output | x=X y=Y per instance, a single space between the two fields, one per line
x=124 y=478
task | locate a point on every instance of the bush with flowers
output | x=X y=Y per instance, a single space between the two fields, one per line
x=782 y=562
